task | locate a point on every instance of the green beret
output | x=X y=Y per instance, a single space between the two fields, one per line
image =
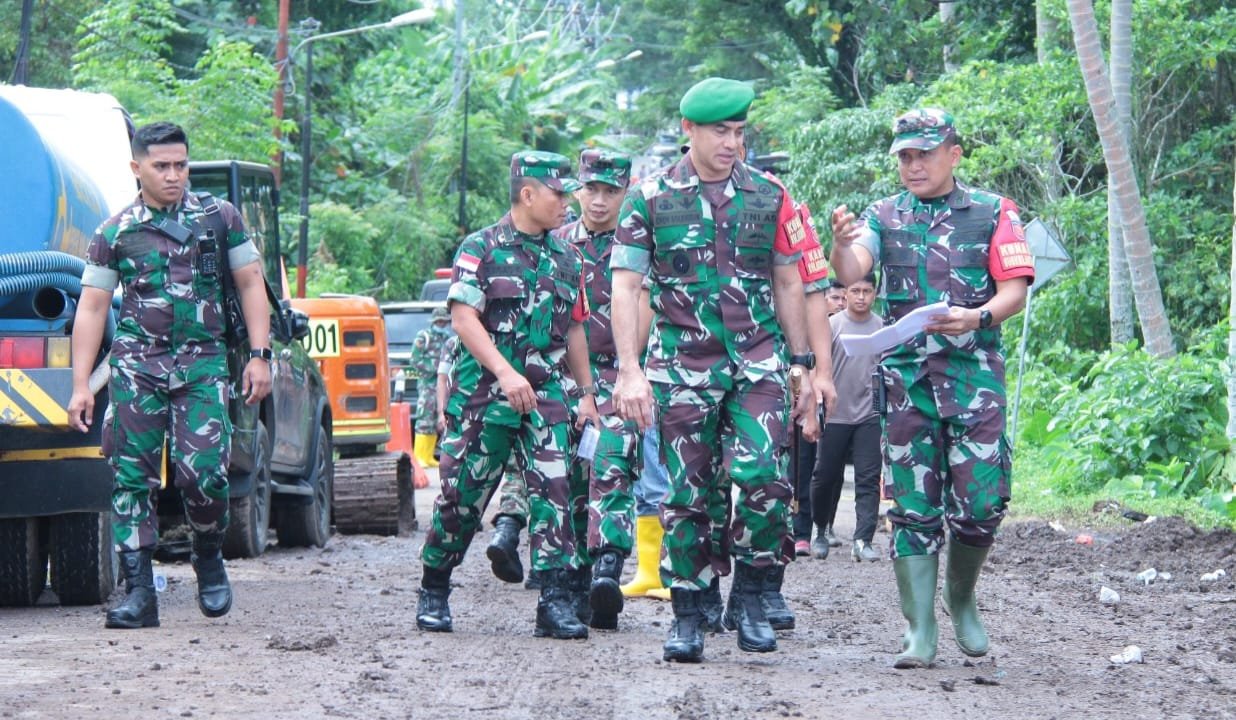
x=716 y=100
x=552 y=169
x=604 y=166
x=921 y=129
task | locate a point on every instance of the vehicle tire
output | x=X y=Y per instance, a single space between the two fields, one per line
x=23 y=561
x=308 y=521
x=84 y=566
x=249 y=516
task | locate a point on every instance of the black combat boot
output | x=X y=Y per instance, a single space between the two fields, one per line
x=712 y=607
x=214 y=592
x=745 y=612
x=433 y=613
x=685 y=643
x=140 y=607
x=578 y=581
x=503 y=550
x=779 y=615
x=605 y=594
x=555 y=614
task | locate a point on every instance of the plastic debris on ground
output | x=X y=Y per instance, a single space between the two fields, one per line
x=1131 y=654
x=1107 y=596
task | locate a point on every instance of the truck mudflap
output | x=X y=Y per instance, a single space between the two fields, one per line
x=45 y=467
x=35 y=397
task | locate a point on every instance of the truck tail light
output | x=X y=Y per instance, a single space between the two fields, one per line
x=59 y=352
x=23 y=353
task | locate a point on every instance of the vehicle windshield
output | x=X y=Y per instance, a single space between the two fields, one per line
x=402 y=328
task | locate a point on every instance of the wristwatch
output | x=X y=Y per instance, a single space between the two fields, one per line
x=261 y=354
x=579 y=391
x=807 y=360
x=984 y=319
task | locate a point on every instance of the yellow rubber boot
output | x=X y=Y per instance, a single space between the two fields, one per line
x=424 y=450
x=647 y=580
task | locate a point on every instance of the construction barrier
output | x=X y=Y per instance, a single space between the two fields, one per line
x=401 y=428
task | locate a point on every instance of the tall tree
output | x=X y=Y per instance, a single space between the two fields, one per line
x=1231 y=335
x=947 y=10
x=1045 y=30
x=1139 y=250
x=1120 y=293
x=1147 y=294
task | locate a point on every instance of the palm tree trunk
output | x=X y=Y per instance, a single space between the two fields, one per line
x=1120 y=293
x=1147 y=295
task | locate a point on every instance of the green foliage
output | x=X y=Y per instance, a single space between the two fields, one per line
x=226 y=111
x=52 y=40
x=341 y=243
x=1135 y=426
x=120 y=50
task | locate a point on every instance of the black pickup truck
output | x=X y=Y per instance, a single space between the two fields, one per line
x=282 y=466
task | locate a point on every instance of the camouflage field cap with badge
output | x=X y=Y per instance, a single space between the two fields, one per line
x=604 y=166
x=551 y=169
x=921 y=129
x=439 y=313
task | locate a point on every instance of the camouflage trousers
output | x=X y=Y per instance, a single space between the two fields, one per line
x=953 y=470
x=611 y=497
x=513 y=497
x=191 y=406
x=425 y=420
x=474 y=457
x=711 y=439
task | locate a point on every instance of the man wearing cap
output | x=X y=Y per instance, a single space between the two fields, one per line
x=603 y=487
x=423 y=362
x=518 y=306
x=944 y=443
x=717 y=243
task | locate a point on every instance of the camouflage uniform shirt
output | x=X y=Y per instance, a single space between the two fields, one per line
x=527 y=289
x=950 y=249
x=170 y=313
x=709 y=250
x=595 y=248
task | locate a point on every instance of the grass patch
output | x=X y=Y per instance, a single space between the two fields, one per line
x=1034 y=497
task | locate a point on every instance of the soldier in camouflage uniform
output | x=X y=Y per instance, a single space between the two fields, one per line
x=426 y=352
x=605 y=505
x=944 y=445
x=728 y=322
x=518 y=306
x=169 y=365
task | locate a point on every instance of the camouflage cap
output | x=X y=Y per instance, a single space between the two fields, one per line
x=604 y=166
x=921 y=129
x=552 y=169
x=439 y=313
x=716 y=100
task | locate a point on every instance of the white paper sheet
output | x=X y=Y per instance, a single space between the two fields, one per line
x=893 y=335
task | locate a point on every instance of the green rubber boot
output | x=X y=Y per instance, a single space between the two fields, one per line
x=960 y=576
x=916 y=584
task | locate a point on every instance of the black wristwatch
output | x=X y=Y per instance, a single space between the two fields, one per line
x=807 y=360
x=579 y=391
x=261 y=354
x=984 y=319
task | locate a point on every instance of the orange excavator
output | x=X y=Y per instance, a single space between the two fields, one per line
x=375 y=474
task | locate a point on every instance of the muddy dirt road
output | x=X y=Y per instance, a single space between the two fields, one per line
x=330 y=633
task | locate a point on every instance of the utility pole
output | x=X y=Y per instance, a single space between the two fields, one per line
x=21 y=66
x=462 y=80
x=281 y=62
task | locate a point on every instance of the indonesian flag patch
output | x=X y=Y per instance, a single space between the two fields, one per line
x=467 y=262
